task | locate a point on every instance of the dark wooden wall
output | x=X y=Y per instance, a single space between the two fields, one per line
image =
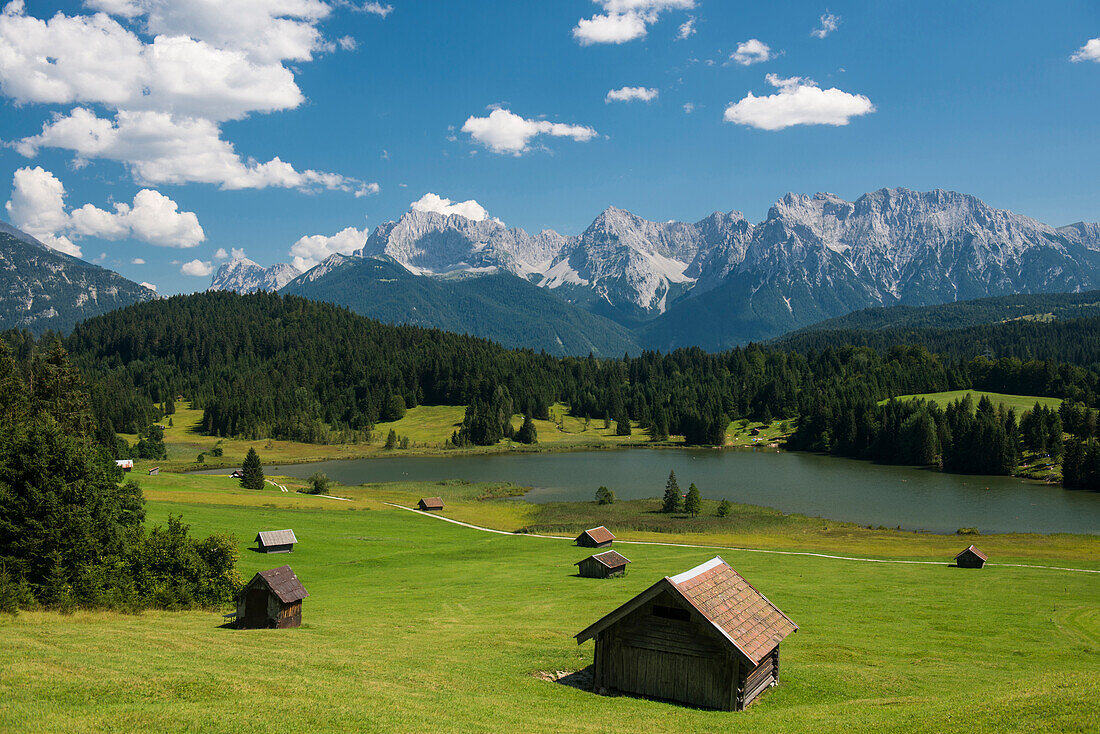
x=593 y=569
x=285 y=548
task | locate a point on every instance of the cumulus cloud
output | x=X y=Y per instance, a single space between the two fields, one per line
x=137 y=261
x=627 y=20
x=37 y=206
x=197 y=268
x=434 y=203
x=309 y=251
x=1089 y=52
x=752 y=51
x=158 y=148
x=503 y=131
x=829 y=23
x=207 y=63
x=689 y=107
x=377 y=9
x=687 y=29
x=798 y=102
x=631 y=94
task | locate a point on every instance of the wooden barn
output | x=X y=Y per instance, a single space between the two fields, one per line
x=271 y=600
x=602 y=565
x=154 y=471
x=125 y=464
x=705 y=638
x=430 y=504
x=599 y=537
x=275 y=541
x=971 y=558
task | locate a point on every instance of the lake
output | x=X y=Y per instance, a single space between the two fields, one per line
x=840 y=489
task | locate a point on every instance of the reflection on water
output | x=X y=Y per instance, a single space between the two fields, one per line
x=842 y=489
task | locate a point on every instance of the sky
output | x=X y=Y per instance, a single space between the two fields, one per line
x=160 y=137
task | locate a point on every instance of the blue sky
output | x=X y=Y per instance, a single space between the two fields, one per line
x=176 y=111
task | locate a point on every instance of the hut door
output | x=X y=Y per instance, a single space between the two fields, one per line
x=255 y=603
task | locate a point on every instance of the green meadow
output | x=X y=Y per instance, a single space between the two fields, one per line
x=414 y=624
x=1019 y=403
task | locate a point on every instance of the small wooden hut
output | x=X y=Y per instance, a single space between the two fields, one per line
x=971 y=558
x=602 y=565
x=154 y=471
x=271 y=600
x=599 y=537
x=430 y=504
x=705 y=638
x=275 y=541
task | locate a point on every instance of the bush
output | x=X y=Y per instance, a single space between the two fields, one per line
x=318 y=483
x=724 y=508
x=605 y=496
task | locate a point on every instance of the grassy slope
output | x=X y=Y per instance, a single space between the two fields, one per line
x=1018 y=402
x=414 y=624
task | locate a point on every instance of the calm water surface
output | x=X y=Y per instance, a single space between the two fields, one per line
x=841 y=489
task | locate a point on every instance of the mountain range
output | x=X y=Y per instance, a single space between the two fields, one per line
x=722 y=280
x=42 y=289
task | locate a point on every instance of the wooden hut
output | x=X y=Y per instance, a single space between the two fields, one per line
x=125 y=464
x=275 y=541
x=603 y=565
x=705 y=638
x=971 y=558
x=271 y=600
x=599 y=537
x=154 y=471
x=430 y=504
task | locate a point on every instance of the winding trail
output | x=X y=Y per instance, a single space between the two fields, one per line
x=735 y=548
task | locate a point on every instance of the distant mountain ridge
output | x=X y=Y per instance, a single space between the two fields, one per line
x=245 y=276
x=723 y=281
x=42 y=289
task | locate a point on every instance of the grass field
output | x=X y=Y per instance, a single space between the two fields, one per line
x=428 y=428
x=1019 y=403
x=414 y=624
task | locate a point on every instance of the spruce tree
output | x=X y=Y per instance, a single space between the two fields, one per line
x=724 y=508
x=672 y=499
x=605 y=496
x=527 y=432
x=253 y=471
x=693 y=503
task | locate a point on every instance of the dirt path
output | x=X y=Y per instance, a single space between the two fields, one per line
x=735 y=548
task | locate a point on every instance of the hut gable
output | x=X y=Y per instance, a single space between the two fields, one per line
x=970 y=557
x=275 y=541
x=271 y=599
x=430 y=504
x=705 y=637
x=595 y=537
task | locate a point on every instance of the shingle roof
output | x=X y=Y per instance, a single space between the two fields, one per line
x=973 y=550
x=598 y=535
x=436 y=502
x=611 y=559
x=276 y=537
x=284 y=584
x=739 y=613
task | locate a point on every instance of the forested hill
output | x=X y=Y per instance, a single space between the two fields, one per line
x=1076 y=341
x=281 y=366
x=961 y=314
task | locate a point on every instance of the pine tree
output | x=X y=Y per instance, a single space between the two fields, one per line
x=391 y=440
x=693 y=503
x=724 y=508
x=672 y=501
x=605 y=496
x=253 y=471
x=527 y=432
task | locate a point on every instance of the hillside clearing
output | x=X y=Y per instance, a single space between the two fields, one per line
x=1019 y=403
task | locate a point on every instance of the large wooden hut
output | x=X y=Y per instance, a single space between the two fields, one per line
x=602 y=565
x=705 y=638
x=971 y=557
x=275 y=541
x=599 y=537
x=430 y=504
x=271 y=600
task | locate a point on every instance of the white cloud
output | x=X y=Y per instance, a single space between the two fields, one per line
x=1089 y=52
x=630 y=94
x=506 y=132
x=687 y=29
x=752 y=51
x=197 y=268
x=150 y=286
x=829 y=23
x=137 y=261
x=367 y=189
x=236 y=253
x=689 y=107
x=627 y=20
x=221 y=254
x=433 y=203
x=37 y=206
x=377 y=9
x=798 y=102
x=161 y=149
x=310 y=250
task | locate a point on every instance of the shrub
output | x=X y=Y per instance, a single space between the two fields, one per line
x=605 y=496
x=724 y=508
x=318 y=483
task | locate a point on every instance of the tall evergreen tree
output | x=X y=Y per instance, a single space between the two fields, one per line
x=673 y=501
x=253 y=471
x=527 y=432
x=693 y=502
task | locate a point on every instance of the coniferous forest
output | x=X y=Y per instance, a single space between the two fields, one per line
x=284 y=367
